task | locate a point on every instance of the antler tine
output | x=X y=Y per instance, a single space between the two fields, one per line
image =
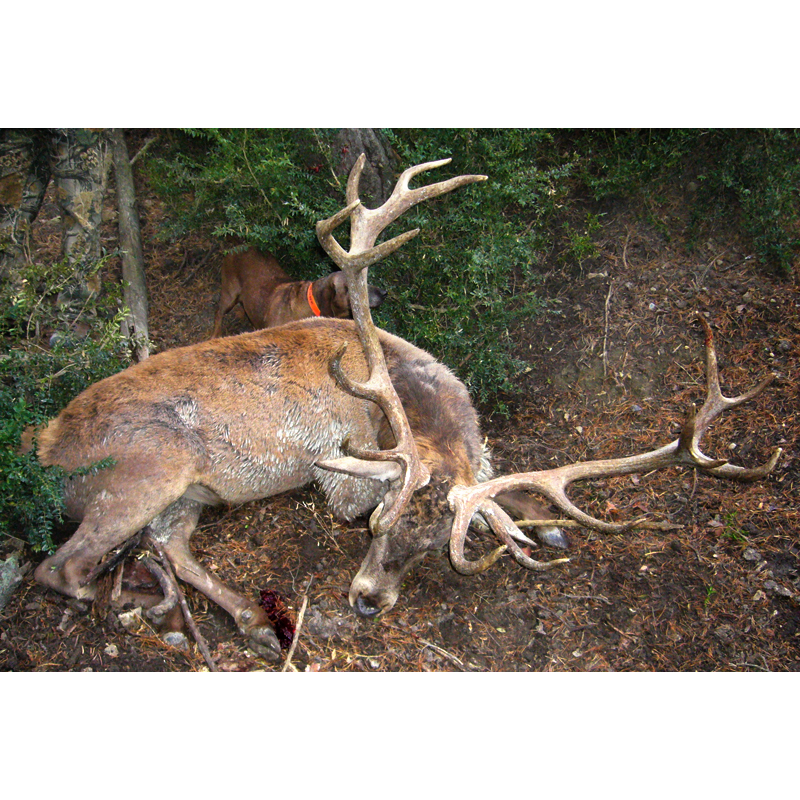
x=506 y=531
x=367 y=224
x=552 y=484
x=715 y=403
x=365 y=227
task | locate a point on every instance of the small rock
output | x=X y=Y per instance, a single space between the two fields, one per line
x=10 y=577
x=776 y=588
x=319 y=625
x=66 y=625
x=131 y=620
x=751 y=554
x=112 y=650
x=176 y=639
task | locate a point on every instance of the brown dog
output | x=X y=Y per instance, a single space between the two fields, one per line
x=270 y=297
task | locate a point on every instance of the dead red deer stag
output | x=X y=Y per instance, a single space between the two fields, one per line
x=377 y=422
x=270 y=297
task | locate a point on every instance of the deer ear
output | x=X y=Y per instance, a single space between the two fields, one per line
x=361 y=468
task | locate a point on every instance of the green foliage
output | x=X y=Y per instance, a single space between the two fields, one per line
x=753 y=173
x=733 y=530
x=461 y=286
x=580 y=243
x=472 y=274
x=267 y=187
x=455 y=290
x=36 y=382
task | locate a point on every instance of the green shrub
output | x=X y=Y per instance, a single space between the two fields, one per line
x=470 y=276
x=455 y=290
x=36 y=382
x=267 y=187
x=752 y=173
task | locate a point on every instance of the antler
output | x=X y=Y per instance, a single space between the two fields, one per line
x=365 y=227
x=553 y=483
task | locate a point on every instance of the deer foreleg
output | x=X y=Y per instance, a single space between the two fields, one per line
x=172 y=530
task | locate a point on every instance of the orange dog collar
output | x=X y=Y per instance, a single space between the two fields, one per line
x=311 y=301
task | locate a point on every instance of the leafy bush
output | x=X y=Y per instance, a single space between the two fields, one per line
x=452 y=289
x=461 y=286
x=754 y=173
x=36 y=381
x=267 y=187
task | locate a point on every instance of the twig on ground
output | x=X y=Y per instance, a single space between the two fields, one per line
x=605 y=331
x=644 y=524
x=442 y=652
x=625 y=250
x=288 y=663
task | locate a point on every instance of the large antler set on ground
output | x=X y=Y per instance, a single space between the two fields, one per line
x=552 y=484
x=365 y=227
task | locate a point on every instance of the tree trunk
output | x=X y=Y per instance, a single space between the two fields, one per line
x=378 y=178
x=130 y=239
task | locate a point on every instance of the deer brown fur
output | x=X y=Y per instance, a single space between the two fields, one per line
x=270 y=297
x=246 y=417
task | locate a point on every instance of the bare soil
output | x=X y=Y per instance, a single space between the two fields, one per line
x=613 y=367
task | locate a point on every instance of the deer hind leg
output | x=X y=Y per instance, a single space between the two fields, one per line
x=115 y=505
x=111 y=520
x=173 y=529
x=523 y=506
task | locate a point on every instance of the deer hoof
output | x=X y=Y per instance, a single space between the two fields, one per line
x=553 y=537
x=265 y=643
x=175 y=639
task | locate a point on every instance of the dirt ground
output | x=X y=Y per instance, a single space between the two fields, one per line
x=613 y=368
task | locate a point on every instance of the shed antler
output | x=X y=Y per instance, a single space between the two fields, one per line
x=365 y=227
x=552 y=484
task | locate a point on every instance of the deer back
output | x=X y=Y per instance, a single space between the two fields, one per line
x=248 y=416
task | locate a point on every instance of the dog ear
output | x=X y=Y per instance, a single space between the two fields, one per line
x=338 y=296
